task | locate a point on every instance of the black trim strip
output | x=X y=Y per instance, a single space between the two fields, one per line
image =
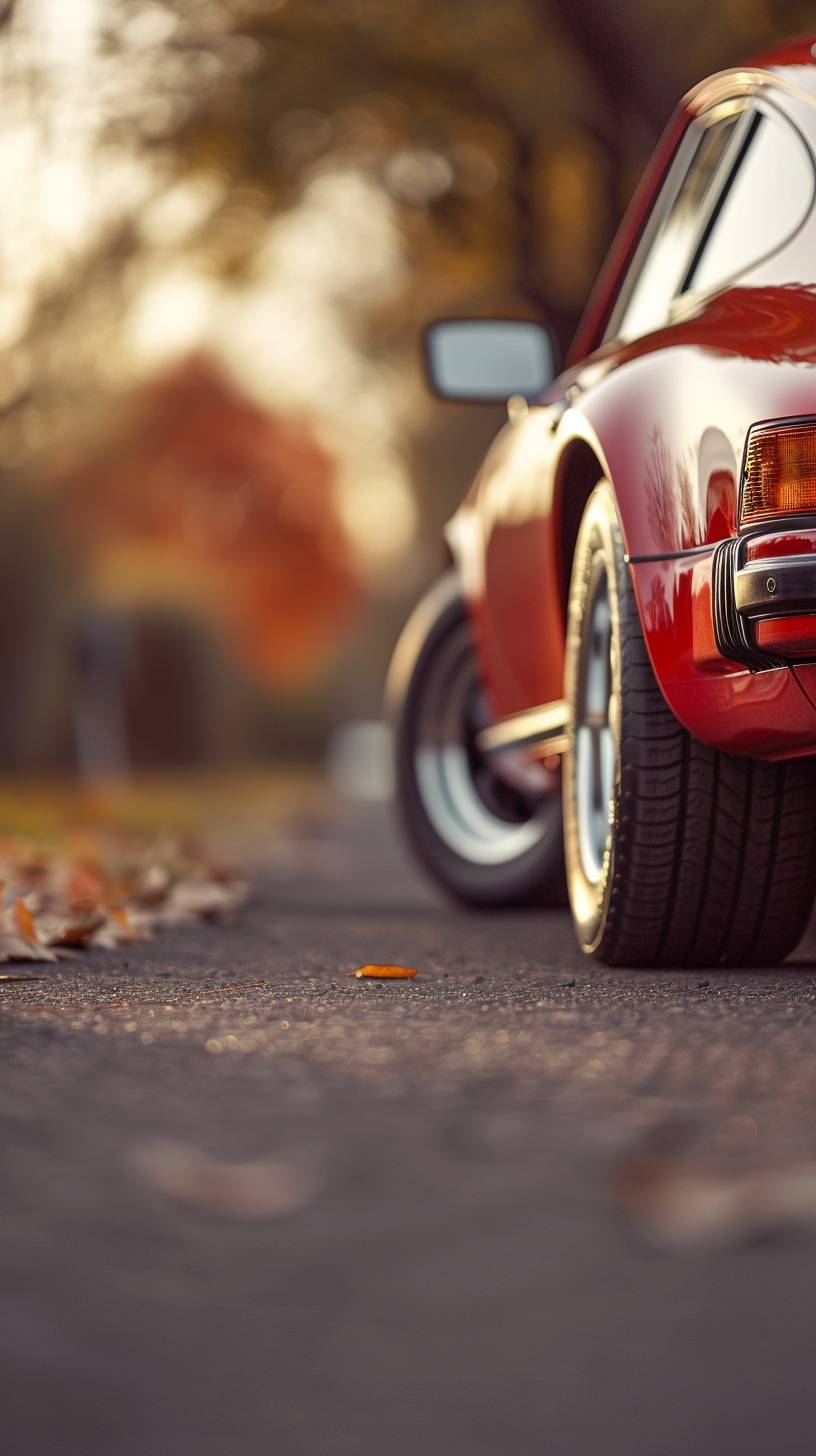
x=773 y=586
x=670 y=555
x=732 y=632
x=773 y=526
x=726 y=185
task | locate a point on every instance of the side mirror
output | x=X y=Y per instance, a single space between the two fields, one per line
x=486 y=361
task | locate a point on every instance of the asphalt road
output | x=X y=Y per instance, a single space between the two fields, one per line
x=517 y=1205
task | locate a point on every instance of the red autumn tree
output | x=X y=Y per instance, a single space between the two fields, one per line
x=198 y=494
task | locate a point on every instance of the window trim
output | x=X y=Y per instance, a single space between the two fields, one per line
x=688 y=299
x=685 y=300
x=690 y=141
x=729 y=165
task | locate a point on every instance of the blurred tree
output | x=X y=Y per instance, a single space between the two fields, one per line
x=197 y=495
x=504 y=136
x=291 y=189
x=34 y=581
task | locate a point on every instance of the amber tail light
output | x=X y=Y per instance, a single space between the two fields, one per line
x=779 y=477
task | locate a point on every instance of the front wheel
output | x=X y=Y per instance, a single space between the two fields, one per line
x=488 y=836
x=676 y=854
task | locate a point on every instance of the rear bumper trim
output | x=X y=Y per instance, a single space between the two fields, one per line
x=771 y=588
x=732 y=630
x=745 y=592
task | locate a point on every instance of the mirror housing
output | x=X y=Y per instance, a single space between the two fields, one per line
x=486 y=361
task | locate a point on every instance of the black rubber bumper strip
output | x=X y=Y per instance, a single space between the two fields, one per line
x=774 y=588
x=733 y=629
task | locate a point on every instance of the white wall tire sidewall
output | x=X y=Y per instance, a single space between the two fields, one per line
x=599 y=536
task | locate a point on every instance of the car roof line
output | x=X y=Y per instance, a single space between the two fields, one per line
x=742 y=80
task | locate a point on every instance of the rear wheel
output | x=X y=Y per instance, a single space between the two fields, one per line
x=489 y=833
x=676 y=854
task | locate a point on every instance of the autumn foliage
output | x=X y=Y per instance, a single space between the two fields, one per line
x=199 y=496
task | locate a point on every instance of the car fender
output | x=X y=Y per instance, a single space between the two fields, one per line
x=669 y=433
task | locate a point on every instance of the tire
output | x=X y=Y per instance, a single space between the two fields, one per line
x=708 y=859
x=486 y=841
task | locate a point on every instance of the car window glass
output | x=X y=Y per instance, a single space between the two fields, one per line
x=668 y=244
x=762 y=203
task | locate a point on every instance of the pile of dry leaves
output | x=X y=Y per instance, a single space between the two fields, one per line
x=107 y=892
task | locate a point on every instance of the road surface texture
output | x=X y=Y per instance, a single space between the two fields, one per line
x=518 y=1205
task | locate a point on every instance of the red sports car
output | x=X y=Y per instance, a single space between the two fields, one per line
x=614 y=685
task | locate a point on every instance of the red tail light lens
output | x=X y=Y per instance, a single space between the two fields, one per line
x=780 y=471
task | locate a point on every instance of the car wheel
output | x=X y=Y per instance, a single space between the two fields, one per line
x=489 y=838
x=676 y=854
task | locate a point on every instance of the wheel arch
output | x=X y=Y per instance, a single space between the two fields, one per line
x=583 y=462
x=579 y=470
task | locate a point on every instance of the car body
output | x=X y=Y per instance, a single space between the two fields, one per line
x=665 y=416
x=694 y=365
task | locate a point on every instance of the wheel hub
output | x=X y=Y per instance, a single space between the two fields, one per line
x=477 y=812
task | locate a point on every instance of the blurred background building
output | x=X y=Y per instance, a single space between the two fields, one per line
x=223 y=225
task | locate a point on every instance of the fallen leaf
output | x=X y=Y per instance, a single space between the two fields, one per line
x=118 y=929
x=25 y=921
x=198 y=899
x=261 y=1189
x=18 y=936
x=154 y=885
x=678 y=1201
x=76 y=927
x=685 y=1207
x=107 y=892
x=84 y=882
x=384 y=973
x=15 y=948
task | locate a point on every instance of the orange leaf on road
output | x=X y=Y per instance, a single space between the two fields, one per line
x=384 y=973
